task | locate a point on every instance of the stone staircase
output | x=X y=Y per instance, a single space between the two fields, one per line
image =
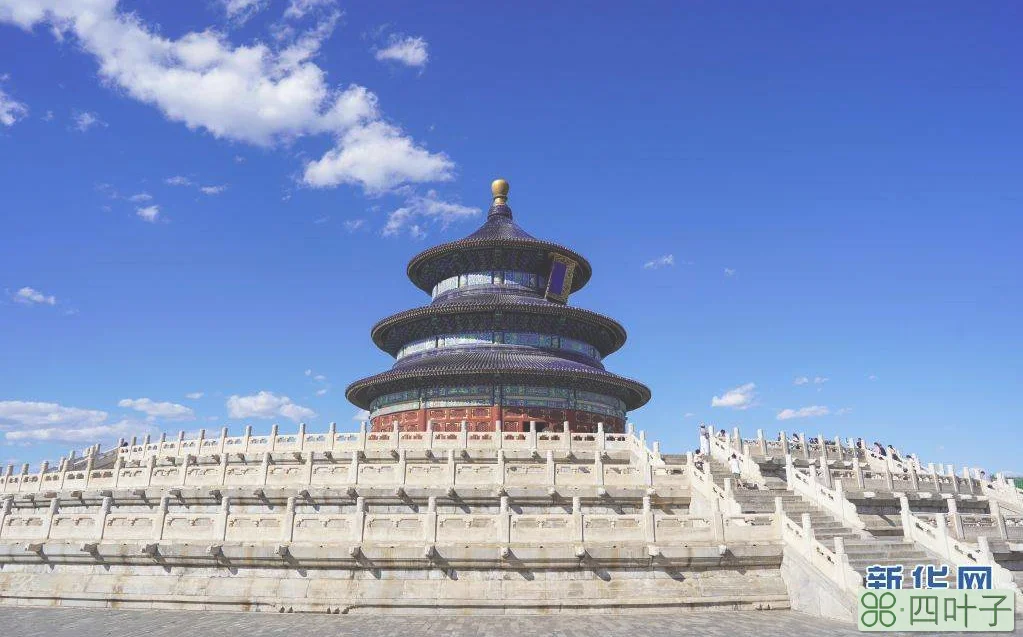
x=862 y=548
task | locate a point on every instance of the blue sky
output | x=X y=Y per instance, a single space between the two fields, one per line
x=206 y=202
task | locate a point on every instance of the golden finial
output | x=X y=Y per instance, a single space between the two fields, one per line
x=500 y=189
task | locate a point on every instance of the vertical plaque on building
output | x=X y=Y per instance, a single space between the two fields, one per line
x=559 y=281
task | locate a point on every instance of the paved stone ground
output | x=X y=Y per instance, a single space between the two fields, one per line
x=66 y=622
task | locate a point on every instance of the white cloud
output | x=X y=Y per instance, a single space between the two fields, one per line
x=740 y=397
x=800 y=380
x=406 y=50
x=82 y=121
x=419 y=209
x=21 y=413
x=32 y=296
x=378 y=157
x=213 y=190
x=660 y=262
x=153 y=409
x=242 y=10
x=843 y=411
x=322 y=392
x=872 y=377
x=250 y=93
x=299 y=8
x=729 y=271
x=149 y=213
x=360 y=415
x=820 y=380
x=352 y=225
x=178 y=180
x=688 y=414
x=123 y=429
x=142 y=197
x=803 y=412
x=196 y=395
x=11 y=110
x=266 y=405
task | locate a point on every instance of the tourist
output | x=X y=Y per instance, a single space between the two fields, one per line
x=698 y=459
x=733 y=464
x=705 y=442
x=879 y=449
x=722 y=434
x=893 y=453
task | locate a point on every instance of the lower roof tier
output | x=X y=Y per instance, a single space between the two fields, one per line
x=485 y=365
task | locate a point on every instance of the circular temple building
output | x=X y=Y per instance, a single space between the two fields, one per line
x=498 y=346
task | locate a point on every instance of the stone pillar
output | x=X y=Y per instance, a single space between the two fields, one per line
x=101 y=517
x=222 y=518
x=5 y=510
x=247 y=436
x=264 y=468
x=223 y=468
x=48 y=522
x=598 y=468
x=969 y=482
x=360 y=518
x=400 y=469
x=954 y=517
x=785 y=443
x=761 y=442
x=498 y=434
x=301 y=436
x=904 y=514
x=736 y=439
x=288 y=524
x=996 y=513
x=807 y=531
x=532 y=435
x=564 y=428
x=504 y=521
x=160 y=518
x=500 y=467
x=914 y=479
x=858 y=473
x=550 y=473
x=184 y=469
x=648 y=520
x=353 y=468
x=577 y=520
x=273 y=437
x=463 y=435
x=889 y=481
x=806 y=448
x=824 y=447
x=601 y=441
x=451 y=466
x=430 y=526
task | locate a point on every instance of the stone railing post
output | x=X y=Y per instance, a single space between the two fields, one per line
x=451 y=466
x=400 y=468
x=353 y=468
x=500 y=467
x=858 y=473
x=914 y=479
x=498 y=434
x=185 y=461
x=736 y=439
x=150 y=468
x=601 y=441
x=463 y=435
x=264 y=468
x=288 y=524
x=889 y=479
x=549 y=475
x=430 y=525
x=808 y=532
x=101 y=517
x=360 y=517
x=48 y=522
x=161 y=517
x=996 y=513
x=806 y=448
x=717 y=520
x=273 y=437
x=785 y=443
x=905 y=515
x=223 y=467
x=598 y=467
x=954 y=517
x=301 y=436
x=779 y=515
x=761 y=442
x=223 y=518
x=824 y=447
x=504 y=520
x=969 y=481
x=951 y=473
x=5 y=510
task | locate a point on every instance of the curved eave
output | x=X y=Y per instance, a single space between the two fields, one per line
x=362 y=392
x=379 y=331
x=582 y=274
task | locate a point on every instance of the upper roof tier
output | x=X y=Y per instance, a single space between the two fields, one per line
x=499 y=244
